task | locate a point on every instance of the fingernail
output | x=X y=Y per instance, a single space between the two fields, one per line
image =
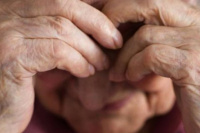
x=91 y=70
x=117 y=77
x=117 y=38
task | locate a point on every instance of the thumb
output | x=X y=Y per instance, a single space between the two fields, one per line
x=16 y=103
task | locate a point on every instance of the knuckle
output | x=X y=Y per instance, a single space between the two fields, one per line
x=149 y=53
x=61 y=25
x=58 y=49
x=145 y=34
x=75 y=62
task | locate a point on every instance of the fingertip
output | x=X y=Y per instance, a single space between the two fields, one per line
x=88 y=71
x=113 y=39
x=91 y=70
x=117 y=39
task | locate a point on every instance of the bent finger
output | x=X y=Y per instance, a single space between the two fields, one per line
x=151 y=12
x=146 y=36
x=84 y=16
x=162 y=60
x=42 y=55
x=62 y=29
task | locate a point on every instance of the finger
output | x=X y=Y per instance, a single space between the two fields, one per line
x=62 y=29
x=162 y=60
x=151 y=12
x=41 y=55
x=87 y=18
x=146 y=36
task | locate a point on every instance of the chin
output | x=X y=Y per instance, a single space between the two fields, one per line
x=129 y=119
x=109 y=125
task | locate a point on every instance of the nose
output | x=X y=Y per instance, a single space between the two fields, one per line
x=94 y=91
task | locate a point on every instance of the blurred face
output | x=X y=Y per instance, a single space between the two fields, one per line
x=98 y=105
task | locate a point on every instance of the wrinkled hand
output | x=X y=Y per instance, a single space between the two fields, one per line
x=40 y=35
x=169 y=46
x=167 y=12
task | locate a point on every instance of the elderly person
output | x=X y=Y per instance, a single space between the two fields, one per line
x=130 y=85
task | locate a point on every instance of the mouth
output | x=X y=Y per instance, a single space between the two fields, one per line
x=117 y=105
x=117 y=99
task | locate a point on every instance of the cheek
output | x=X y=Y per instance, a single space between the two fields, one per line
x=49 y=88
x=158 y=90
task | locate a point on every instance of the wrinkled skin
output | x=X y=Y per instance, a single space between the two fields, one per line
x=80 y=100
x=158 y=58
x=168 y=45
x=38 y=36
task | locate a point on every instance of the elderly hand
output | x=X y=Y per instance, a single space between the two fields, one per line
x=171 y=49
x=40 y=35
